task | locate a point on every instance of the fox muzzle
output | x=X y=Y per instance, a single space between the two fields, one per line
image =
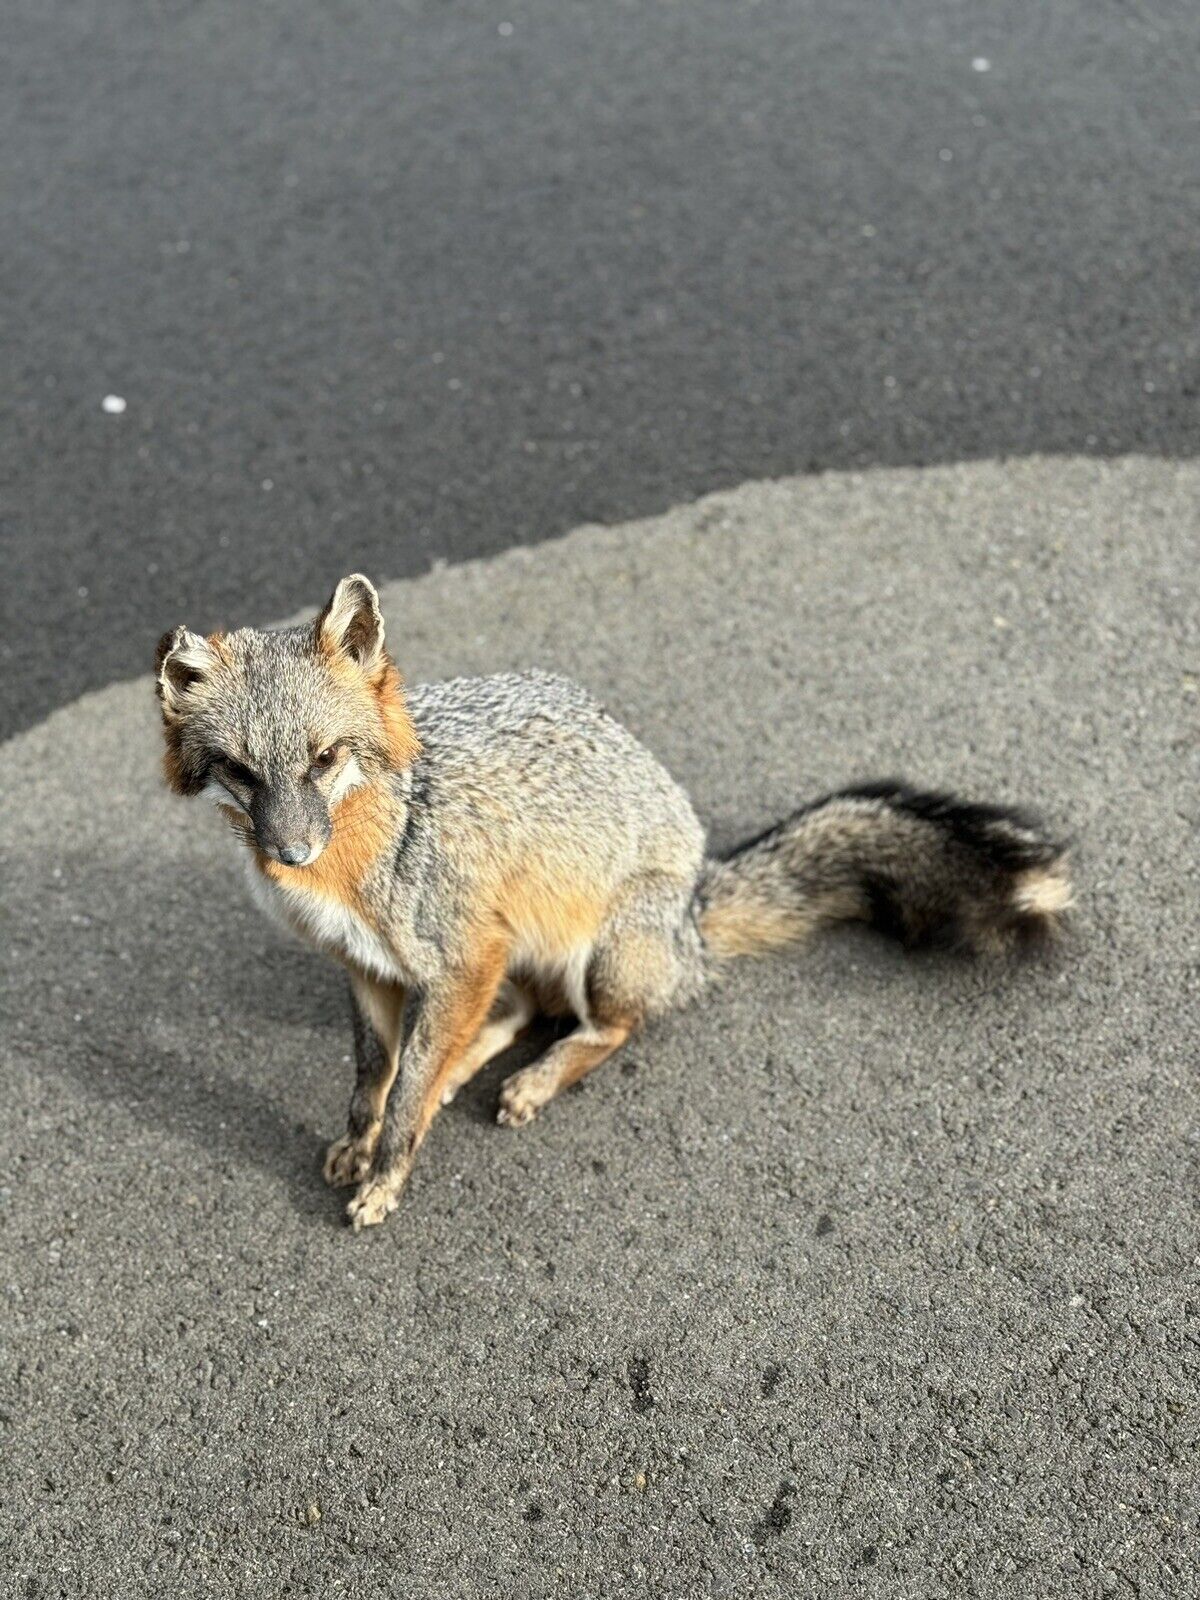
x=291 y=823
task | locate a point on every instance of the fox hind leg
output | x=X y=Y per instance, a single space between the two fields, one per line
x=524 y=1094
x=646 y=958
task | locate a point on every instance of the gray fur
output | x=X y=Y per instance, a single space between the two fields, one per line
x=524 y=765
x=526 y=850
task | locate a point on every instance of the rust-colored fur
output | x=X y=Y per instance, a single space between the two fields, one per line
x=552 y=917
x=363 y=828
x=385 y=688
x=461 y=1020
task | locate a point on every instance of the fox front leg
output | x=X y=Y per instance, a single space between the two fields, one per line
x=445 y=1023
x=378 y=1013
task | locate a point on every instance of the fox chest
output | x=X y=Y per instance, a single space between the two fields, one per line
x=331 y=925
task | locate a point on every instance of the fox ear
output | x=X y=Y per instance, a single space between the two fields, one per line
x=184 y=660
x=352 y=624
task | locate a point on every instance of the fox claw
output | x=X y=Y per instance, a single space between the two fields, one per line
x=520 y=1101
x=347 y=1161
x=374 y=1202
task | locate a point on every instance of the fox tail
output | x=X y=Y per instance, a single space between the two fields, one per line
x=920 y=866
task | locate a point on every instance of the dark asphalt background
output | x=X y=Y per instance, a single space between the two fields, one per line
x=390 y=283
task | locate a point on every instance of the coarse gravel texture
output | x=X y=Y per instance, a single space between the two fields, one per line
x=870 y=1274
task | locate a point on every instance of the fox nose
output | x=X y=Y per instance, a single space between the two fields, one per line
x=294 y=855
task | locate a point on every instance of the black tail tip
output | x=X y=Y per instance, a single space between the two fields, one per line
x=1010 y=890
x=1007 y=839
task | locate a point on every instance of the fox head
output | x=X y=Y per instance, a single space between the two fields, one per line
x=281 y=727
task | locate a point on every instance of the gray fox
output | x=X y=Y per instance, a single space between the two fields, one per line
x=477 y=852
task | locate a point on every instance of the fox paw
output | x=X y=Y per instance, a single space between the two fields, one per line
x=521 y=1098
x=347 y=1161
x=375 y=1201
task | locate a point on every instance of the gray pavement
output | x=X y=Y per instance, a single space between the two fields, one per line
x=387 y=282
x=868 y=1275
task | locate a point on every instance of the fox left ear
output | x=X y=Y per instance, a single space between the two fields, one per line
x=352 y=624
x=183 y=660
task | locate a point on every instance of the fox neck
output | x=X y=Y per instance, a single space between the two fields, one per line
x=403 y=744
x=365 y=825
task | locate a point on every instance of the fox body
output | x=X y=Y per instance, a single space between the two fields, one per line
x=479 y=851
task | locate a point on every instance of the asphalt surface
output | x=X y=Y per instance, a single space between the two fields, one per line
x=869 y=1274
x=383 y=284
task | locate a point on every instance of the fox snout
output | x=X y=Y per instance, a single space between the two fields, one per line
x=291 y=822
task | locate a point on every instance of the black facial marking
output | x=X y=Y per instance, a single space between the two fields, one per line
x=240 y=773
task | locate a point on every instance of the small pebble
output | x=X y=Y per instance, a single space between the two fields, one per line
x=311 y=1513
x=113 y=404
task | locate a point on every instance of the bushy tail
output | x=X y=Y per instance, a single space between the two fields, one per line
x=920 y=866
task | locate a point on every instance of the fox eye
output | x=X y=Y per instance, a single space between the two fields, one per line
x=323 y=762
x=240 y=774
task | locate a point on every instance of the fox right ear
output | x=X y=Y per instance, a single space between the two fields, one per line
x=352 y=624
x=183 y=660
